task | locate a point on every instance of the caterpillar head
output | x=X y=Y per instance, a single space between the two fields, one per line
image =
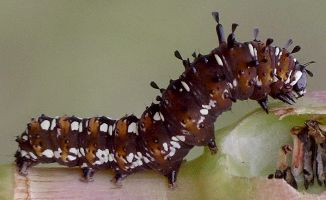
x=300 y=79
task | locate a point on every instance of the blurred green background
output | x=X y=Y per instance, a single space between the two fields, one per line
x=96 y=57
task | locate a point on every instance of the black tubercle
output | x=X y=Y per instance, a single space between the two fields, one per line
x=264 y=104
x=296 y=49
x=255 y=33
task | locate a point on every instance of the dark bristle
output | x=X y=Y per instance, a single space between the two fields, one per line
x=177 y=54
x=308 y=63
x=309 y=73
x=154 y=85
x=216 y=16
x=296 y=49
x=269 y=41
x=194 y=54
x=234 y=27
x=256 y=32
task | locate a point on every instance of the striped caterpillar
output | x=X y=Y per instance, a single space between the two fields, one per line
x=183 y=117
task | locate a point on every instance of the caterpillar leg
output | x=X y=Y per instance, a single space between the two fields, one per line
x=88 y=174
x=212 y=146
x=22 y=168
x=117 y=179
x=172 y=178
x=22 y=163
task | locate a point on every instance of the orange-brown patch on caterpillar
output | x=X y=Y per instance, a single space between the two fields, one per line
x=156 y=151
x=90 y=153
x=239 y=57
x=34 y=131
x=64 y=128
x=284 y=65
x=121 y=157
x=219 y=92
x=121 y=128
x=93 y=128
x=146 y=122
x=264 y=72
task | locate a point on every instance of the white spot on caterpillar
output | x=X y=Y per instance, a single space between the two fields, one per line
x=297 y=76
x=111 y=157
x=146 y=159
x=289 y=78
x=58 y=132
x=235 y=83
x=80 y=127
x=98 y=162
x=302 y=92
x=181 y=138
x=212 y=103
x=294 y=60
x=274 y=75
x=162 y=117
x=132 y=128
x=130 y=157
x=83 y=165
x=45 y=125
x=102 y=155
x=218 y=60
x=206 y=106
x=110 y=130
x=139 y=154
x=172 y=151
x=230 y=85
x=139 y=162
x=86 y=124
x=185 y=85
x=175 y=144
x=194 y=70
x=259 y=82
x=277 y=51
x=104 y=127
x=165 y=146
x=201 y=120
x=74 y=126
x=23 y=153
x=57 y=154
x=204 y=111
x=82 y=151
x=73 y=150
x=157 y=117
x=255 y=52
x=53 y=124
x=48 y=153
x=251 y=49
x=71 y=158
x=25 y=137
x=33 y=155
x=107 y=153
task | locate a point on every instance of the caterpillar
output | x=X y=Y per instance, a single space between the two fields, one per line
x=308 y=155
x=182 y=118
